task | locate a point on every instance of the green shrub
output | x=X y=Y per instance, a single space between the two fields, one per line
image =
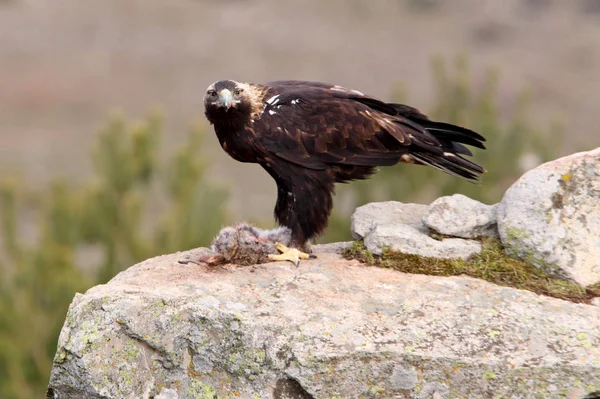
x=132 y=207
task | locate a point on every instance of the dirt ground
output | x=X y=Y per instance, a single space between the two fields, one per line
x=65 y=64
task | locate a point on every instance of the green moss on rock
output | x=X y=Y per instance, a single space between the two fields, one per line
x=492 y=265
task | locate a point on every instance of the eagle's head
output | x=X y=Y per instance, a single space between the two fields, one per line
x=231 y=100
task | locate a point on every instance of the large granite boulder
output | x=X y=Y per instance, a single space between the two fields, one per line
x=400 y=227
x=329 y=328
x=551 y=217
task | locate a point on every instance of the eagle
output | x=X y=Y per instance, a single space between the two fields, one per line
x=310 y=135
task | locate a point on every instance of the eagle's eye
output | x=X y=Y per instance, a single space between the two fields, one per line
x=237 y=92
x=212 y=93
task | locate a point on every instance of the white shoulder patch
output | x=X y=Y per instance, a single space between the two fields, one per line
x=295 y=101
x=271 y=112
x=345 y=90
x=273 y=100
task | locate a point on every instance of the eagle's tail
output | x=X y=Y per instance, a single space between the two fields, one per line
x=448 y=158
x=450 y=163
x=453 y=139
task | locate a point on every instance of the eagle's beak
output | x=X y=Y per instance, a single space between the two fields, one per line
x=225 y=98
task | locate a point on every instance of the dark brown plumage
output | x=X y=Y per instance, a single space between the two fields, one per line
x=309 y=136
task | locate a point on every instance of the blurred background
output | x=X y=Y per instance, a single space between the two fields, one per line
x=105 y=157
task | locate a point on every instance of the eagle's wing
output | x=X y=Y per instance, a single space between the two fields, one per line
x=318 y=125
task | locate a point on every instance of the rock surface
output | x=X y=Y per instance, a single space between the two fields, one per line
x=367 y=217
x=409 y=240
x=328 y=329
x=461 y=216
x=551 y=217
x=400 y=227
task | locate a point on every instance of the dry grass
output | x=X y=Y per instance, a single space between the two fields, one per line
x=491 y=265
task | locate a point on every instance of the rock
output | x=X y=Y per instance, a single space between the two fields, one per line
x=167 y=393
x=334 y=247
x=329 y=328
x=409 y=240
x=550 y=217
x=365 y=218
x=400 y=227
x=461 y=216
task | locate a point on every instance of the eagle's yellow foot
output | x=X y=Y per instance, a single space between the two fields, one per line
x=291 y=254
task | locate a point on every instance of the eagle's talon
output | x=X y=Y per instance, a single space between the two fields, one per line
x=290 y=254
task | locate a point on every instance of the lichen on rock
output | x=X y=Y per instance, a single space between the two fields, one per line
x=329 y=328
x=551 y=217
